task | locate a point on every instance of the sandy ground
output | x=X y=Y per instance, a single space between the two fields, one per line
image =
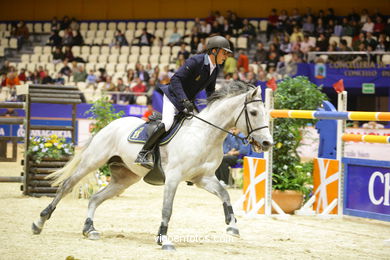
x=129 y=223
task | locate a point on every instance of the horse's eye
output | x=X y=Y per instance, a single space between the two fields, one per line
x=253 y=113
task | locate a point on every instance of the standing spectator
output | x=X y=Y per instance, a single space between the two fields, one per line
x=261 y=54
x=273 y=21
x=21 y=33
x=230 y=65
x=243 y=61
x=74 y=25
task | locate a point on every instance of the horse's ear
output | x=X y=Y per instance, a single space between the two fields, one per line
x=256 y=92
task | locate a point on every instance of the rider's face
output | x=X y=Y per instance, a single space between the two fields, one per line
x=222 y=56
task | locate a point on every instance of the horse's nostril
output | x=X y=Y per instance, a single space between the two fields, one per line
x=266 y=144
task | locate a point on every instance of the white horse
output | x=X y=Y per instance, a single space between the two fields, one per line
x=192 y=155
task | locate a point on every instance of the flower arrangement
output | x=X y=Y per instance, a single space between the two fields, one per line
x=50 y=147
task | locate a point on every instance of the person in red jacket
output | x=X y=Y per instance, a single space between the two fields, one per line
x=243 y=61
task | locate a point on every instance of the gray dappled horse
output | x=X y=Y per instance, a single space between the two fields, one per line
x=192 y=155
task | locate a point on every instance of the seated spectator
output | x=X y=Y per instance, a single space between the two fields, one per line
x=357 y=41
x=180 y=61
x=74 y=25
x=273 y=21
x=262 y=76
x=205 y=29
x=383 y=44
x=5 y=68
x=68 y=54
x=91 y=79
x=242 y=74
x=183 y=51
x=370 y=41
x=235 y=23
x=22 y=75
x=130 y=75
x=141 y=73
x=233 y=149
x=243 y=61
x=296 y=34
x=55 y=39
x=54 y=24
x=174 y=38
x=248 y=30
x=308 y=26
x=109 y=85
x=59 y=79
x=201 y=45
x=120 y=39
x=194 y=44
x=120 y=85
x=368 y=26
x=58 y=55
x=251 y=78
x=78 y=39
x=379 y=26
x=226 y=29
x=42 y=73
x=272 y=60
x=230 y=65
x=306 y=45
x=229 y=37
x=344 y=47
x=216 y=29
x=79 y=75
x=67 y=40
x=66 y=70
x=139 y=88
x=65 y=23
x=320 y=28
x=322 y=44
x=347 y=29
x=260 y=56
x=272 y=73
x=145 y=39
x=285 y=45
x=47 y=79
x=329 y=28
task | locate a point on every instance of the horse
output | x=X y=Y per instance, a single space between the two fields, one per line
x=192 y=155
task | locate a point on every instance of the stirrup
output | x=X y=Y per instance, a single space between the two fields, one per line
x=143 y=161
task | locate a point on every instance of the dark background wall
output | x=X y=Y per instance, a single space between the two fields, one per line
x=162 y=9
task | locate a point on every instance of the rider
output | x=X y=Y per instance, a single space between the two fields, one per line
x=199 y=72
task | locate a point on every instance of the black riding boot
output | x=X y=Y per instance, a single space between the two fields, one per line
x=143 y=157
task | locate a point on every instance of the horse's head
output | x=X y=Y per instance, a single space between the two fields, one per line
x=251 y=120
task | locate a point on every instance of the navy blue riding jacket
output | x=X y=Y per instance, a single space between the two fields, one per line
x=190 y=79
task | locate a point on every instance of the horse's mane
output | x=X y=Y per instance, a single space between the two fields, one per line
x=234 y=88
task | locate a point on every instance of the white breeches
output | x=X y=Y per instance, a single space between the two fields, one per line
x=168 y=113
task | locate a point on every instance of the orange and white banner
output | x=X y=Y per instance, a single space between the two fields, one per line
x=326 y=184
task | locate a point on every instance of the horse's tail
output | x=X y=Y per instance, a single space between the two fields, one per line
x=59 y=176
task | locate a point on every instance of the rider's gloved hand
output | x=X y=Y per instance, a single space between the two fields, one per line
x=188 y=105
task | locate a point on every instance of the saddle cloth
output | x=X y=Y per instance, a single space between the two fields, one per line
x=141 y=133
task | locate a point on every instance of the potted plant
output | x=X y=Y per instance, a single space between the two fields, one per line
x=290 y=176
x=103 y=113
x=51 y=147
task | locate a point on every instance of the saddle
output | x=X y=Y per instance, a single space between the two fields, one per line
x=156 y=175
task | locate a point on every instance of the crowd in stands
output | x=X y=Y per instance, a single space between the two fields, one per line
x=272 y=49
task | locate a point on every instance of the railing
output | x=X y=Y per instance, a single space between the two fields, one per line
x=313 y=54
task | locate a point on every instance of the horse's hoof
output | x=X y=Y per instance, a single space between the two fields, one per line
x=35 y=229
x=168 y=247
x=94 y=235
x=233 y=232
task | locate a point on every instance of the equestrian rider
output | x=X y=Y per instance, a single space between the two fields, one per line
x=199 y=72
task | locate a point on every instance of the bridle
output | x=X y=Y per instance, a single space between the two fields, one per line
x=246 y=140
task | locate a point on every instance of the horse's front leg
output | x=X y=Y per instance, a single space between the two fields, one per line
x=212 y=185
x=169 y=194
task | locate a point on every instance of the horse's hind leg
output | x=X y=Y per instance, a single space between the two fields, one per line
x=212 y=185
x=121 y=178
x=63 y=190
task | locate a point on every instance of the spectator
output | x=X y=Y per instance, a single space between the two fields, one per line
x=344 y=47
x=320 y=28
x=74 y=25
x=78 y=39
x=108 y=85
x=251 y=78
x=272 y=60
x=330 y=15
x=12 y=80
x=248 y=30
x=55 y=39
x=47 y=79
x=9 y=112
x=373 y=125
x=308 y=26
x=67 y=40
x=379 y=26
x=368 y=26
x=91 y=79
x=329 y=28
x=58 y=55
x=273 y=21
x=322 y=44
x=233 y=149
x=230 y=65
x=22 y=75
x=232 y=47
x=141 y=73
x=205 y=29
x=261 y=75
x=79 y=75
x=148 y=112
x=371 y=41
x=243 y=61
x=353 y=16
x=216 y=29
x=180 y=61
x=364 y=16
x=120 y=85
x=235 y=23
x=174 y=38
x=295 y=16
x=65 y=23
x=260 y=56
x=66 y=70
x=283 y=20
x=296 y=33
x=54 y=24
x=59 y=80
x=145 y=39
x=306 y=45
x=348 y=28
x=201 y=45
x=383 y=44
x=219 y=18
x=130 y=76
x=226 y=28
x=356 y=42
x=285 y=46
x=21 y=33
x=5 y=68
x=68 y=54
x=194 y=44
x=183 y=51
x=241 y=74
x=120 y=39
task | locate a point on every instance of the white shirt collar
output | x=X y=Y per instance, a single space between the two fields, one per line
x=212 y=66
